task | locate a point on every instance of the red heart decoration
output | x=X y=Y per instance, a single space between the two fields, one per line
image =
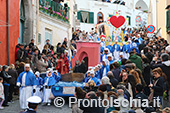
x=117 y=21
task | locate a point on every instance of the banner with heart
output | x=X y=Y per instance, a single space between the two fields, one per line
x=117 y=21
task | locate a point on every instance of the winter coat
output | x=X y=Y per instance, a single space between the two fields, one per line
x=41 y=66
x=137 y=60
x=20 y=55
x=14 y=76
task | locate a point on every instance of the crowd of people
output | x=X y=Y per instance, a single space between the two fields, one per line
x=137 y=67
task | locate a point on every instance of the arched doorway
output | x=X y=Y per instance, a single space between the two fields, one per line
x=141 y=5
x=26 y=21
x=86 y=63
x=100 y=17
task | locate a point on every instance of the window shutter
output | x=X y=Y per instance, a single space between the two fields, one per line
x=91 y=17
x=110 y=15
x=79 y=15
x=168 y=21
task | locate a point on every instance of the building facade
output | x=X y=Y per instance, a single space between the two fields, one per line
x=91 y=11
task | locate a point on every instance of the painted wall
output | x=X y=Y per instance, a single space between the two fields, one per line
x=13 y=30
x=58 y=29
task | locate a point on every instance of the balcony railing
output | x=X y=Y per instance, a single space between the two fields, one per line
x=55 y=10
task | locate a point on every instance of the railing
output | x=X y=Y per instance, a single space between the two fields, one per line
x=54 y=9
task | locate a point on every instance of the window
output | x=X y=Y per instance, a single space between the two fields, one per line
x=129 y=20
x=39 y=38
x=100 y=17
x=85 y=17
x=168 y=21
x=48 y=35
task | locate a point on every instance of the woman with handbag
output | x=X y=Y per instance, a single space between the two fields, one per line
x=158 y=85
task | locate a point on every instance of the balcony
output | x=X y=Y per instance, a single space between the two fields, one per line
x=54 y=10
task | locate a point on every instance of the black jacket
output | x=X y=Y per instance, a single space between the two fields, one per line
x=158 y=87
x=6 y=77
x=14 y=76
x=20 y=55
x=114 y=82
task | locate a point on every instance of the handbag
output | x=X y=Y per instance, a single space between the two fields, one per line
x=150 y=98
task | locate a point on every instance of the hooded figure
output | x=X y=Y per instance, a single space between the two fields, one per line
x=96 y=81
x=27 y=83
x=39 y=87
x=110 y=59
x=106 y=52
x=105 y=68
x=110 y=47
x=49 y=81
x=116 y=50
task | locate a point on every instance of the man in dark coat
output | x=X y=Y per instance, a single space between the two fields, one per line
x=20 y=53
x=113 y=80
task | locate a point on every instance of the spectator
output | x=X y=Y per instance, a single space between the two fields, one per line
x=2 y=97
x=20 y=53
x=14 y=75
x=6 y=77
x=113 y=80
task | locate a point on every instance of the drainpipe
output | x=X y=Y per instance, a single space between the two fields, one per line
x=7 y=21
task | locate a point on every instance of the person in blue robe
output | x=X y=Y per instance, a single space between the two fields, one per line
x=116 y=49
x=96 y=81
x=97 y=72
x=110 y=58
x=134 y=46
x=56 y=75
x=110 y=47
x=103 y=42
x=104 y=56
x=140 y=40
x=49 y=81
x=27 y=83
x=87 y=78
x=105 y=68
x=39 y=85
x=123 y=50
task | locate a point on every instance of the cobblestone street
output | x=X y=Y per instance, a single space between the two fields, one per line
x=15 y=108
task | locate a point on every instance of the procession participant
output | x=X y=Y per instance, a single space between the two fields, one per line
x=116 y=50
x=110 y=59
x=110 y=47
x=97 y=72
x=39 y=87
x=106 y=52
x=33 y=104
x=87 y=78
x=49 y=81
x=139 y=39
x=128 y=46
x=56 y=75
x=103 y=42
x=27 y=83
x=105 y=68
x=124 y=49
x=96 y=81
x=63 y=64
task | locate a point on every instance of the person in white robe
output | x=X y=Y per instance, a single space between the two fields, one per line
x=49 y=81
x=39 y=85
x=27 y=83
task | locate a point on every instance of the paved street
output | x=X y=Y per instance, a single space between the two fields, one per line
x=15 y=108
